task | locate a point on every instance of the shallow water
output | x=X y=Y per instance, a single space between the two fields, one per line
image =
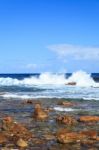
x=22 y=112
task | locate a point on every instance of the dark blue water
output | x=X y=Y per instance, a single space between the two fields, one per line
x=21 y=76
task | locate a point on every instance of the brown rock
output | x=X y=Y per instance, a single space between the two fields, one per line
x=39 y=113
x=70 y=137
x=21 y=143
x=29 y=101
x=85 y=137
x=3 y=138
x=66 y=120
x=90 y=134
x=89 y=119
x=7 y=123
x=15 y=129
x=65 y=103
x=97 y=138
x=71 y=83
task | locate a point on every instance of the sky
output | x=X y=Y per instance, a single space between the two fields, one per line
x=49 y=36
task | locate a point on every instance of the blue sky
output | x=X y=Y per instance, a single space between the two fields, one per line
x=49 y=36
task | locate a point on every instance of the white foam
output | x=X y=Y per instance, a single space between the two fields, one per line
x=91 y=98
x=45 y=78
x=16 y=96
x=81 y=78
x=63 y=109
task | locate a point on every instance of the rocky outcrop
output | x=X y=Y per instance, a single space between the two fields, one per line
x=65 y=136
x=13 y=128
x=69 y=137
x=39 y=113
x=89 y=119
x=68 y=120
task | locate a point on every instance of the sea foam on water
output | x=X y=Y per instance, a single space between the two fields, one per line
x=81 y=78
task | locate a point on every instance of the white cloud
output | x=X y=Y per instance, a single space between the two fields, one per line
x=31 y=66
x=75 y=51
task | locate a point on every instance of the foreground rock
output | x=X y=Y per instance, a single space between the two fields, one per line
x=89 y=119
x=13 y=128
x=39 y=113
x=65 y=136
x=68 y=120
x=3 y=138
x=21 y=143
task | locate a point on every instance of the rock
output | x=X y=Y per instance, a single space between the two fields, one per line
x=39 y=113
x=68 y=120
x=29 y=101
x=21 y=143
x=71 y=83
x=3 y=138
x=89 y=119
x=15 y=129
x=65 y=103
x=7 y=123
x=69 y=137
x=91 y=134
x=97 y=138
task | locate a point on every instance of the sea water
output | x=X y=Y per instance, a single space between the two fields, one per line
x=50 y=85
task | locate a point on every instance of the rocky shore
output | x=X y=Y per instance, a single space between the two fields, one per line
x=37 y=125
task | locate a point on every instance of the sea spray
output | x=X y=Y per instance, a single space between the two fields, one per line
x=80 y=77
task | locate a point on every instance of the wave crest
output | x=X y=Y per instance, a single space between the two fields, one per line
x=81 y=78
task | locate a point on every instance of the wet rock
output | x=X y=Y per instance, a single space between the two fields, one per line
x=66 y=136
x=71 y=83
x=68 y=120
x=13 y=128
x=97 y=138
x=3 y=138
x=29 y=101
x=69 y=137
x=21 y=143
x=39 y=113
x=7 y=123
x=89 y=119
x=91 y=134
x=67 y=104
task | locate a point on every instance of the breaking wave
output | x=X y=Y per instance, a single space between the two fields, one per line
x=81 y=78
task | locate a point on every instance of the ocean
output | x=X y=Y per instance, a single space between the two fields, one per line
x=50 y=85
x=20 y=94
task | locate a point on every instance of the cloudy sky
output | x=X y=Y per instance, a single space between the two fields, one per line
x=49 y=36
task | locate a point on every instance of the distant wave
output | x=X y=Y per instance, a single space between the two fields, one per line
x=28 y=96
x=81 y=78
